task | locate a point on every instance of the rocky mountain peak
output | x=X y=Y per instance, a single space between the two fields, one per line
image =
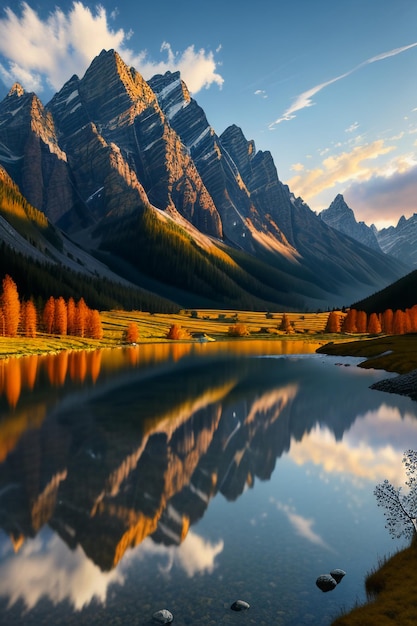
x=341 y=217
x=16 y=90
x=337 y=210
x=115 y=93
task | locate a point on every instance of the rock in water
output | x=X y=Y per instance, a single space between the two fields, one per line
x=325 y=582
x=163 y=617
x=240 y=605
x=337 y=574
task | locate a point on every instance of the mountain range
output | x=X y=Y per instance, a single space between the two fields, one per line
x=399 y=241
x=139 y=191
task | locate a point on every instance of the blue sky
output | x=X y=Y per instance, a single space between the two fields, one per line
x=329 y=87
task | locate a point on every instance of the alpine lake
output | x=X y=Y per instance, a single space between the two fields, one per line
x=188 y=476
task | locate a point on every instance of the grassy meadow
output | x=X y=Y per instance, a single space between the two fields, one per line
x=395 y=353
x=154 y=327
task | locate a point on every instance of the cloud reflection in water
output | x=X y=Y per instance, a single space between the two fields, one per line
x=364 y=452
x=46 y=568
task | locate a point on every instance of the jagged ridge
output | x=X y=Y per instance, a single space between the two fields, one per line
x=110 y=146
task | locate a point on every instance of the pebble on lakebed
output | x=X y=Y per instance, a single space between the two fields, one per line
x=162 y=617
x=240 y=605
x=327 y=582
x=337 y=574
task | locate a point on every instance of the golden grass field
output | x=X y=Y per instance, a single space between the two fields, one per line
x=392 y=353
x=154 y=328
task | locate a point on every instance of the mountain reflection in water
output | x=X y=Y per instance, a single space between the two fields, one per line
x=132 y=447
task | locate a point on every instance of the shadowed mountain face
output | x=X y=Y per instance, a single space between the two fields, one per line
x=140 y=455
x=341 y=217
x=111 y=148
x=400 y=241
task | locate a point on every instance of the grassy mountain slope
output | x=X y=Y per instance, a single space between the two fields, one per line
x=202 y=271
x=43 y=262
x=401 y=294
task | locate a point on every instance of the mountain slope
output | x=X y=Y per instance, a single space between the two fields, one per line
x=402 y=294
x=43 y=261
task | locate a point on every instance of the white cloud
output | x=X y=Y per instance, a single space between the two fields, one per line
x=305 y=99
x=46 y=567
x=198 y=69
x=261 y=92
x=64 y=44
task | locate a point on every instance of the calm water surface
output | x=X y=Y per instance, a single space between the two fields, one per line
x=189 y=476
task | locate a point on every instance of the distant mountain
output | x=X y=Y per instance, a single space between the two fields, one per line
x=134 y=173
x=341 y=217
x=401 y=241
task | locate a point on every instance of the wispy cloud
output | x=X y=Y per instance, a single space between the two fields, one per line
x=343 y=168
x=303 y=526
x=305 y=99
x=352 y=127
x=52 y=50
x=261 y=93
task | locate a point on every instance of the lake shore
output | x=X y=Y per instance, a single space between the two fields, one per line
x=391 y=353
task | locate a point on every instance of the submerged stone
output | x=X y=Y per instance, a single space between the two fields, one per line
x=337 y=574
x=240 y=605
x=325 y=582
x=163 y=617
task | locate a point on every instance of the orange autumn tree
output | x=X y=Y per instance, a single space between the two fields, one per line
x=49 y=315
x=361 y=321
x=349 y=323
x=333 y=323
x=29 y=319
x=176 y=331
x=60 y=319
x=132 y=333
x=10 y=306
x=398 y=324
x=71 y=312
x=374 y=325
x=81 y=310
x=387 y=321
x=412 y=319
x=93 y=329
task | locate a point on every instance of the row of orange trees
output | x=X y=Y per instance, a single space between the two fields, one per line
x=58 y=316
x=389 y=322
